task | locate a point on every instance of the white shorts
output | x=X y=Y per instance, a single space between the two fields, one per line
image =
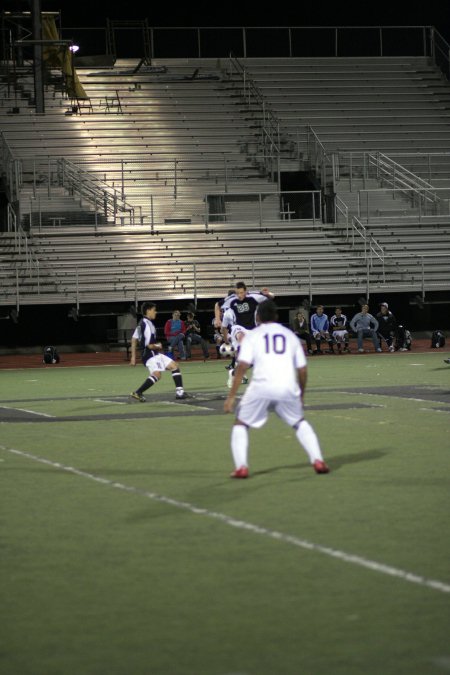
x=317 y=335
x=158 y=363
x=234 y=335
x=253 y=410
x=340 y=335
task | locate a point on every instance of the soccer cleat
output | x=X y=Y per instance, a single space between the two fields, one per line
x=361 y=351
x=137 y=397
x=245 y=380
x=379 y=349
x=229 y=367
x=320 y=467
x=181 y=395
x=242 y=472
x=391 y=349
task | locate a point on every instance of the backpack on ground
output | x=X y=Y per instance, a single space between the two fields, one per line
x=50 y=355
x=437 y=339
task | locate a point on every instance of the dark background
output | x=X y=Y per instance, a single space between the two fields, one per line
x=337 y=13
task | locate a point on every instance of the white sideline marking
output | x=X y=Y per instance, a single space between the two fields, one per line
x=434 y=584
x=32 y=412
x=102 y=400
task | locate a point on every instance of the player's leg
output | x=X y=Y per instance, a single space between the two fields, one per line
x=251 y=412
x=177 y=379
x=154 y=376
x=291 y=412
x=239 y=450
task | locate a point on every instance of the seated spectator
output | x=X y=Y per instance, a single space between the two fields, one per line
x=174 y=330
x=387 y=329
x=300 y=327
x=320 y=330
x=338 y=328
x=365 y=325
x=193 y=336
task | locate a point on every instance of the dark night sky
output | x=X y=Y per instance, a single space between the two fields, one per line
x=320 y=13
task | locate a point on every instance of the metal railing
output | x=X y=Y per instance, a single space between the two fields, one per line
x=270 y=126
x=307 y=275
x=95 y=191
x=397 y=177
x=285 y=41
x=10 y=168
x=406 y=203
x=289 y=206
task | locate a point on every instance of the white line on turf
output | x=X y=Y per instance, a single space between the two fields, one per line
x=103 y=400
x=32 y=412
x=434 y=584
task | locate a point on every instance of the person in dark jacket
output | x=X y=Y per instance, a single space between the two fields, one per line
x=387 y=326
x=301 y=328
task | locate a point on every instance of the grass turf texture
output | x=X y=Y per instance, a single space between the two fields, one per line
x=99 y=580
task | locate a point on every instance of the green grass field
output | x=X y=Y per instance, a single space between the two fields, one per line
x=127 y=550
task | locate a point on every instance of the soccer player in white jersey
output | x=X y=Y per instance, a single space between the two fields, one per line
x=235 y=334
x=144 y=337
x=279 y=379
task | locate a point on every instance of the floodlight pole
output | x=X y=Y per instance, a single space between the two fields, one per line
x=37 y=60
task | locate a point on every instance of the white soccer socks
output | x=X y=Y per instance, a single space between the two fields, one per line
x=239 y=445
x=307 y=437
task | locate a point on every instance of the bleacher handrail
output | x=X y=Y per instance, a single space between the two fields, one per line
x=10 y=168
x=270 y=127
x=91 y=188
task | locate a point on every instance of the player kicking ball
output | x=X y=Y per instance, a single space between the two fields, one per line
x=279 y=379
x=144 y=337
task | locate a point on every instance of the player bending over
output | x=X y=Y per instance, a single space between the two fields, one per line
x=279 y=378
x=145 y=337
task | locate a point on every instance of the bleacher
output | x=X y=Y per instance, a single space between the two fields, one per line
x=180 y=144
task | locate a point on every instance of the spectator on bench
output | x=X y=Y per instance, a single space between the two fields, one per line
x=193 y=336
x=300 y=327
x=387 y=329
x=365 y=325
x=320 y=330
x=175 y=330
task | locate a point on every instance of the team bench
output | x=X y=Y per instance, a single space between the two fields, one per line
x=120 y=337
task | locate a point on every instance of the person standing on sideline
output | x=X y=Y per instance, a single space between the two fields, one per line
x=144 y=337
x=279 y=379
x=365 y=325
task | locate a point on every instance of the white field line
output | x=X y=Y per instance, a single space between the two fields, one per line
x=103 y=400
x=32 y=412
x=366 y=563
